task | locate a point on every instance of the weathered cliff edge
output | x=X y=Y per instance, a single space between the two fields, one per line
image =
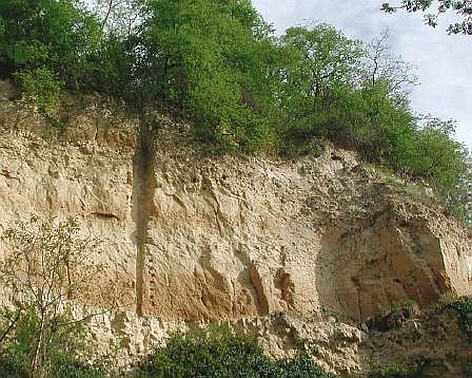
x=193 y=238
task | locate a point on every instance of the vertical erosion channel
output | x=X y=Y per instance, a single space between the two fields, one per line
x=144 y=186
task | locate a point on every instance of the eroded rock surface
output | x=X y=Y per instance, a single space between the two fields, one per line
x=229 y=238
x=243 y=236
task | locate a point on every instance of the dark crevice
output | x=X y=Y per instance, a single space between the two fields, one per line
x=144 y=185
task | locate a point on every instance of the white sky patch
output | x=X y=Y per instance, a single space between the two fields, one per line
x=443 y=61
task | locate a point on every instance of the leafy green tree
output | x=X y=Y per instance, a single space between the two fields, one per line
x=462 y=8
x=318 y=72
x=46 y=264
x=347 y=91
x=204 y=59
x=386 y=131
x=321 y=59
x=56 y=35
x=442 y=161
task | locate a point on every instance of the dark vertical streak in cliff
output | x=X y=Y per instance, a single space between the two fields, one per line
x=144 y=185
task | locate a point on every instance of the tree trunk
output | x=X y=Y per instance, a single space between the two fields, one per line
x=36 y=371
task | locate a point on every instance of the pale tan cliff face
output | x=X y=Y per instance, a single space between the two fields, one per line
x=253 y=237
x=231 y=237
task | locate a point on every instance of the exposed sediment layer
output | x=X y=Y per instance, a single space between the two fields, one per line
x=193 y=237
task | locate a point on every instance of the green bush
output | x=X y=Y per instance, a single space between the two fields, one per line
x=43 y=270
x=218 y=352
x=442 y=161
x=64 y=346
x=412 y=369
x=57 y=35
x=42 y=87
x=394 y=371
x=302 y=366
x=464 y=307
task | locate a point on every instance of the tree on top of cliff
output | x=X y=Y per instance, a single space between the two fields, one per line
x=53 y=34
x=209 y=61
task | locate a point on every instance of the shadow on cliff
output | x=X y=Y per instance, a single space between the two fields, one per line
x=144 y=186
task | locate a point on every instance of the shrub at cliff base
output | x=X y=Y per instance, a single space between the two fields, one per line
x=217 y=352
x=61 y=354
x=464 y=307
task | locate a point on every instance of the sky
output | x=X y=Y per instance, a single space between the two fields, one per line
x=443 y=62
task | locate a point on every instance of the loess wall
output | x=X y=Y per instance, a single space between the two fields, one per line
x=191 y=237
x=269 y=245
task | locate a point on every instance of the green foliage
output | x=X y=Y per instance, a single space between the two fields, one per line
x=206 y=60
x=461 y=8
x=319 y=60
x=302 y=366
x=54 y=35
x=442 y=161
x=61 y=354
x=44 y=266
x=42 y=87
x=323 y=95
x=438 y=156
x=317 y=72
x=109 y=71
x=394 y=371
x=464 y=307
x=217 y=352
